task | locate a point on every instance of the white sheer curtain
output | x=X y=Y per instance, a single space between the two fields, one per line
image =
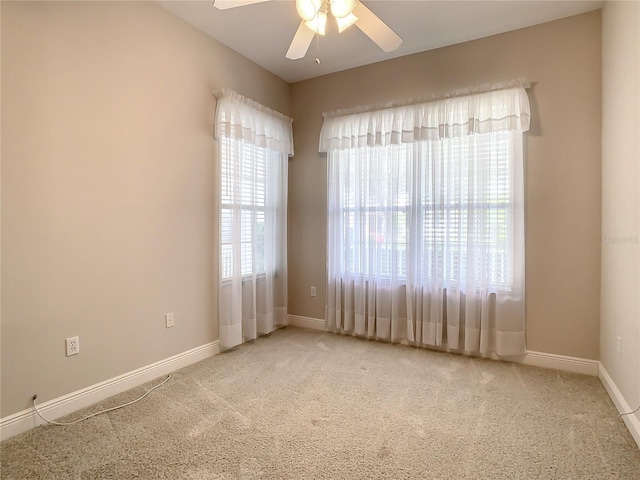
x=254 y=145
x=426 y=223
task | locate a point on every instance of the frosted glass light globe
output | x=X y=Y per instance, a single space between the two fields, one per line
x=308 y=9
x=342 y=8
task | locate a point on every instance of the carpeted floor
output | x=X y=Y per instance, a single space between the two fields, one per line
x=302 y=404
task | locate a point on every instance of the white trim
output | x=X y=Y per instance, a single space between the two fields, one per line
x=307 y=322
x=536 y=359
x=58 y=407
x=560 y=362
x=631 y=421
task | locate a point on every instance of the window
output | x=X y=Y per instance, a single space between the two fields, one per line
x=254 y=143
x=452 y=197
x=243 y=209
x=425 y=231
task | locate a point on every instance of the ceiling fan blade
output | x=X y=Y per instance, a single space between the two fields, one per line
x=225 y=4
x=376 y=29
x=300 y=43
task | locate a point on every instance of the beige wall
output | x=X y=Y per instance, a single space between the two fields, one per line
x=620 y=315
x=108 y=188
x=563 y=178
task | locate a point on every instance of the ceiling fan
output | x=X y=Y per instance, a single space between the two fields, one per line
x=314 y=20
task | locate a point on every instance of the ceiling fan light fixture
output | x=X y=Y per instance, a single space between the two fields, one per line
x=308 y=9
x=319 y=23
x=346 y=22
x=342 y=8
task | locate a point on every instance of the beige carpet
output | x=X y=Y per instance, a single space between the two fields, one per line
x=301 y=404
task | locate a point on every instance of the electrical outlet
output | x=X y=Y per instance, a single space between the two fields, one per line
x=619 y=345
x=313 y=291
x=73 y=346
x=169 y=320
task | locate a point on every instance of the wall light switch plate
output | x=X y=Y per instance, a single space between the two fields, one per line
x=169 y=320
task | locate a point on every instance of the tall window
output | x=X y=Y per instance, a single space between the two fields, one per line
x=426 y=216
x=254 y=145
x=243 y=198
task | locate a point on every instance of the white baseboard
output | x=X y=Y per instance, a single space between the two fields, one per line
x=561 y=362
x=307 y=322
x=58 y=407
x=631 y=421
x=536 y=359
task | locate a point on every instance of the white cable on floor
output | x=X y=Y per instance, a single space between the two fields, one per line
x=618 y=423
x=629 y=413
x=97 y=413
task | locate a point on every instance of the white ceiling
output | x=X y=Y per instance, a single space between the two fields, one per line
x=263 y=32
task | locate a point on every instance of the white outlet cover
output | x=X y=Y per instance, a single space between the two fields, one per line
x=169 y=320
x=73 y=346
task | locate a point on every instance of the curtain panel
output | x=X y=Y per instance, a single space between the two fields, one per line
x=254 y=144
x=426 y=223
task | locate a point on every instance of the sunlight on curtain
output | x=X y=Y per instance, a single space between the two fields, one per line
x=254 y=146
x=426 y=223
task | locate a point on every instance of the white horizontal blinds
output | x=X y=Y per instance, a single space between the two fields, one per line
x=465 y=202
x=243 y=207
x=374 y=201
x=465 y=197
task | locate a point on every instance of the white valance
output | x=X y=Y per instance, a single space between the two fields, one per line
x=495 y=111
x=244 y=119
